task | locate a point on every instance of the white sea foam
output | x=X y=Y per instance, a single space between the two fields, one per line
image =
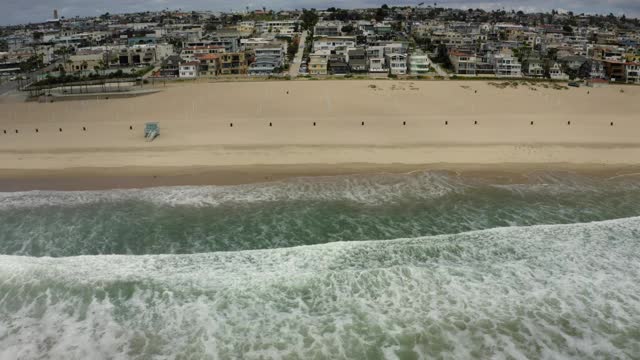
x=371 y=189
x=553 y=292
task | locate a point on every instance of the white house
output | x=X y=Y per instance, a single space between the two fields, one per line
x=632 y=72
x=507 y=66
x=189 y=70
x=331 y=43
x=397 y=64
x=556 y=73
x=418 y=64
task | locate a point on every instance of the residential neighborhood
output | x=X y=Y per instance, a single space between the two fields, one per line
x=398 y=42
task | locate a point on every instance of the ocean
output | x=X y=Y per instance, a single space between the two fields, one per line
x=426 y=265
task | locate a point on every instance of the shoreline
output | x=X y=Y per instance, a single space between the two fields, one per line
x=85 y=179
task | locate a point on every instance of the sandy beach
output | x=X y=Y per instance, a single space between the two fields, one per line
x=318 y=125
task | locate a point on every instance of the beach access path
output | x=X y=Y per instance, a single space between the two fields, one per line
x=294 y=67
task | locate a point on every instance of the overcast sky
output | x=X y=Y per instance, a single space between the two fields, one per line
x=24 y=11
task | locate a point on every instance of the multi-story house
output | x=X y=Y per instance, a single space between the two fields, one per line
x=171 y=66
x=233 y=63
x=328 y=28
x=209 y=65
x=376 y=65
x=397 y=64
x=190 y=53
x=597 y=70
x=318 y=63
x=357 y=59
x=506 y=65
x=419 y=63
x=632 y=72
x=268 y=57
x=278 y=27
x=331 y=43
x=556 y=73
x=463 y=63
x=534 y=68
x=189 y=70
x=337 y=65
x=614 y=70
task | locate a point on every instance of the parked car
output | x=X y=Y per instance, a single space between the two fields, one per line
x=574 y=84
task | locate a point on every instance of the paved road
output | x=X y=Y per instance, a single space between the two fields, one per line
x=8 y=87
x=294 y=68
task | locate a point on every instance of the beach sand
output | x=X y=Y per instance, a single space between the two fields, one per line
x=407 y=125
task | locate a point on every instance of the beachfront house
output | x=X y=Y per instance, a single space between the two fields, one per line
x=376 y=59
x=209 y=65
x=189 y=70
x=268 y=58
x=556 y=73
x=464 y=63
x=337 y=65
x=357 y=59
x=318 y=63
x=632 y=71
x=534 y=68
x=506 y=65
x=171 y=66
x=397 y=64
x=419 y=64
x=233 y=63
x=376 y=65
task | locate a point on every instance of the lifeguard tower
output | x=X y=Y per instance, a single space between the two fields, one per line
x=151 y=130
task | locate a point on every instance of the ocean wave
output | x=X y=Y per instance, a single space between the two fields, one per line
x=545 y=291
x=369 y=189
x=297 y=212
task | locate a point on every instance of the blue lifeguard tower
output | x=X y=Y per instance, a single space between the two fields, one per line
x=151 y=130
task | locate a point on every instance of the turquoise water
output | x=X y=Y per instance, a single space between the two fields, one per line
x=422 y=265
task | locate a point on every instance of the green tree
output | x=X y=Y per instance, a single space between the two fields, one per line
x=309 y=19
x=442 y=57
x=348 y=29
